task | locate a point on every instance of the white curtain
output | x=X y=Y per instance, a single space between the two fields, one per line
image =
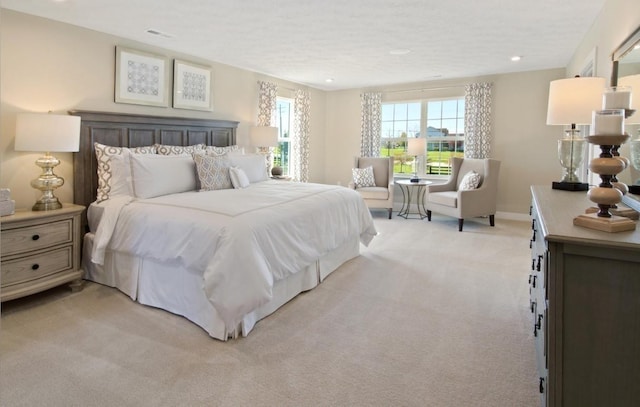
x=370 y=124
x=267 y=93
x=477 y=120
x=300 y=143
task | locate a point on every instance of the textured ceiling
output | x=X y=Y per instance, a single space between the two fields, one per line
x=308 y=41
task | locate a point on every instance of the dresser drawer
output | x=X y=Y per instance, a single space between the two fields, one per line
x=36 y=266
x=26 y=239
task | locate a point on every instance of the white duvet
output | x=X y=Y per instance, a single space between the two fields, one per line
x=241 y=240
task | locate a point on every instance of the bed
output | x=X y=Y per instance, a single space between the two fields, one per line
x=222 y=258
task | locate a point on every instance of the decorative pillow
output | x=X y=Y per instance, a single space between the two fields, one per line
x=213 y=171
x=238 y=178
x=214 y=150
x=363 y=177
x=103 y=158
x=471 y=180
x=165 y=149
x=254 y=165
x=157 y=175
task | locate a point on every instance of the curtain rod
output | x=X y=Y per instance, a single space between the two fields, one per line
x=425 y=89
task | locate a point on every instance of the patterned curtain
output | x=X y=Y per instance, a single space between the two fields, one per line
x=300 y=143
x=370 y=124
x=267 y=103
x=477 y=120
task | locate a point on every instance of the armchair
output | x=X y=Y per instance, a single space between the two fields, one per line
x=452 y=200
x=379 y=196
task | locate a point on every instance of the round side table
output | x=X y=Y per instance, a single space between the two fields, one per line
x=416 y=190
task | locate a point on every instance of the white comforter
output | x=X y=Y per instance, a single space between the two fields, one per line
x=242 y=240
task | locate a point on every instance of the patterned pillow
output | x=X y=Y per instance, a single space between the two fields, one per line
x=213 y=171
x=214 y=150
x=363 y=177
x=165 y=149
x=471 y=180
x=103 y=157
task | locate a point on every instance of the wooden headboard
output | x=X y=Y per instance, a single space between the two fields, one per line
x=130 y=130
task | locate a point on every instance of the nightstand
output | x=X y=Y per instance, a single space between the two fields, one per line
x=40 y=250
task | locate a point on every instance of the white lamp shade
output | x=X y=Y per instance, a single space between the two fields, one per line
x=572 y=100
x=264 y=136
x=47 y=132
x=416 y=146
x=633 y=81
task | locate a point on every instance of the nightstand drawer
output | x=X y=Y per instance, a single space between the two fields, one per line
x=36 y=237
x=37 y=266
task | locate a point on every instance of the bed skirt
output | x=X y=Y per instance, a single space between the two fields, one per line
x=146 y=281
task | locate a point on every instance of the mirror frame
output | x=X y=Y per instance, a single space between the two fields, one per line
x=621 y=51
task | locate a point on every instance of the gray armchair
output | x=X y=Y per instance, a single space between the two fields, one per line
x=381 y=195
x=449 y=199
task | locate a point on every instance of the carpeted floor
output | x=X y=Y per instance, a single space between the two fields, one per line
x=426 y=316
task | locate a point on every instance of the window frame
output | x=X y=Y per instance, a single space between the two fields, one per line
x=278 y=154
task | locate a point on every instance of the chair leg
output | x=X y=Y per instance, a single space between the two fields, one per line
x=429 y=216
x=492 y=220
x=390 y=212
x=460 y=223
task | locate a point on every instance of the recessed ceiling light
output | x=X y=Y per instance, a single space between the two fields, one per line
x=329 y=80
x=399 y=51
x=516 y=58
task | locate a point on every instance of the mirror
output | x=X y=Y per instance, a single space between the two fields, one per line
x=626 y=59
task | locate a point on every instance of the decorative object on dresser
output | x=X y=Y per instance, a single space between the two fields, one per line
x=607 y=131
x=192 y=86
x=142 y=78
x=416 y=148
x=40 y=250
x=585 y=302
x=7 y=205
x=264 y=138
x=571 y=102
x=47 y=132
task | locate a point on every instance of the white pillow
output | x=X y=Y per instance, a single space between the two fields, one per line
x=103 y=158
x=121 y=175
x=213 y=171
x=157 y=175
x=239 y=178
x=363 y=177
x=254 y=165
x=471 y=180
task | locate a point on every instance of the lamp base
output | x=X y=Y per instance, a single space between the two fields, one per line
x=46 y=204
x=570 y=186
x=612 y=224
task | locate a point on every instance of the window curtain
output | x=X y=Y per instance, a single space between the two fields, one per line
x=370 y=124
x=300 y=143
x=267 y=93
x=477 y=120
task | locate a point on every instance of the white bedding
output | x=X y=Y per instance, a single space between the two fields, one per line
x=242 y=240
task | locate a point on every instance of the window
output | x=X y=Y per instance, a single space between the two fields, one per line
x=284 y=118
x=441 y=121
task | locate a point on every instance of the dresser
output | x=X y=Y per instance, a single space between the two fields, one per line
x=40 y=250
x=585 y=305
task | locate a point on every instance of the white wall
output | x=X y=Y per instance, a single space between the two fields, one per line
x=50 y=66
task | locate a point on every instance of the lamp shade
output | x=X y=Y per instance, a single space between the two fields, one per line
x=47 y=132
x=416 y=146
x=572 y=100
x=264 y=136
x=633 y=81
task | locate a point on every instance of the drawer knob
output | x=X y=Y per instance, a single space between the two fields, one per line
x=35 y=266
x=541 y=385
x=35 y=237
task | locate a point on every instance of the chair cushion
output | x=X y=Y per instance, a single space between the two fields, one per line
x=447 y=198
x=470 y=180
x=374 y=192
x=363 y=177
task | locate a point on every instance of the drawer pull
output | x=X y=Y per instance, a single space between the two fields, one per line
x=533 y=282
x=539 y=323
x=35 y=237
x=35 y=266
x=533 y=264
x=533 y=306
x=540 y=257
x=542 y=385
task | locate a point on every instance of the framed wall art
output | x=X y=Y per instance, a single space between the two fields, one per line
x=142 y=78
x=191 y=86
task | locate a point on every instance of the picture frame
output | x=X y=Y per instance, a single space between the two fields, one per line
x=142 y=78
x=192 y=85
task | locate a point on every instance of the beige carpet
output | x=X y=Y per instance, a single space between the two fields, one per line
x=426 y=316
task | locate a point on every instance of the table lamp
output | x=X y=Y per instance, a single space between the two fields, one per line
x=633 y=81
x=571 y=102
x=265 y=137
x=48 y=133
x=416 y=147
